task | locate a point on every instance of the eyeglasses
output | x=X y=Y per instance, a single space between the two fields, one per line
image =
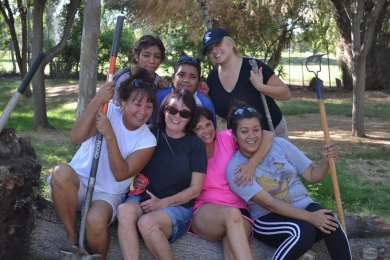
x=183 y=113
x=187 y=59
x=142 y=84
x=241 y=111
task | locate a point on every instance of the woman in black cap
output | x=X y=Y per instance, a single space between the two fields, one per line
x=234 y=80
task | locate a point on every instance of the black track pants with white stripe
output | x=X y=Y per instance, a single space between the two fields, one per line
x=293 y=237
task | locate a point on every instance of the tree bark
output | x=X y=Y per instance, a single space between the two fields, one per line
x=205 y=14
x=361 y=44
x=89 y=54
x=40 y=115
x=364 y=233
x=358 y=76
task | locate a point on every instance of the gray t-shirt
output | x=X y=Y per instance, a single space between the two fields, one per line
x=279 y=174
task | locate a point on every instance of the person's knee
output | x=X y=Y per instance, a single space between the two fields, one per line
x=62 y=176
x=128 y=213
x=96 y=223
x=234 y=216
x=147 y=224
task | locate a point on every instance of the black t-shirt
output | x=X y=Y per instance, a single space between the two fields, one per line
x=170 y=169
x=244 y=91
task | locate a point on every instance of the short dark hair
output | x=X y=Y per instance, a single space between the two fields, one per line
x=188 y=100
x=141 y=83
x=187 y=60
x=238 y=112
x=205 y=112
x=145 y=42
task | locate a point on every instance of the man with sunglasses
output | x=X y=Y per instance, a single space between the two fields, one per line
x=186 y=75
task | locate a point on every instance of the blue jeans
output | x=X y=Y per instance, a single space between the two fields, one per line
x=179 y=215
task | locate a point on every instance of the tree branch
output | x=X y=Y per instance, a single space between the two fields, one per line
x=70 y=15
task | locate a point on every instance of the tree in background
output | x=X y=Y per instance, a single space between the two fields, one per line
x=21 y=52
x=356 y=21
x=39 y=94
x=89 y=54
x=255 y=26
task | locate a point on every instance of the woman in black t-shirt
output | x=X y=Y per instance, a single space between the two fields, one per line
x=233 y=80
x=162 y=214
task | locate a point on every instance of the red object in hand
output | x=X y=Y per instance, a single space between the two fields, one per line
x=138 y=191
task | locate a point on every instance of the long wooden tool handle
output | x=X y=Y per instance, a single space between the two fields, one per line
x=255 y=68
x=332 y=166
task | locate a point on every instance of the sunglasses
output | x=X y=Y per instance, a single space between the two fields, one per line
x=142 y=84
x=241 y=111
x=187 y=59
x=183 y=113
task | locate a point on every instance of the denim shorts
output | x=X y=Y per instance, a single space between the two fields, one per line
x=179 y=215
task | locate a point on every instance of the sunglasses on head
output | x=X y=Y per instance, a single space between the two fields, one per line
x=188 y=59
x=183 y=113
x=142 y=84
x=241 y=111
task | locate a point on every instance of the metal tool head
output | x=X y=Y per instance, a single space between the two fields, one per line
x=254 y=66
x=313 y=63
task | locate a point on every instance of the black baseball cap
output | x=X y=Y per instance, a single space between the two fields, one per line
x=213 y=36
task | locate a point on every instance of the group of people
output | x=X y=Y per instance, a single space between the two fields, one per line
x=221 y=185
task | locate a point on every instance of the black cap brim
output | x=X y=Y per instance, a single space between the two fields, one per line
x=213 y=41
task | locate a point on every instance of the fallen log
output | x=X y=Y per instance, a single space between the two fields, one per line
x=48 y=236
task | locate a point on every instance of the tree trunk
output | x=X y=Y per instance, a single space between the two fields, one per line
x=205 y=14
x=344 y=48
x=358 y=75
x=283 y=39
x=89 y=54
x=13 y=57
x=38 y=82
x=364 y=233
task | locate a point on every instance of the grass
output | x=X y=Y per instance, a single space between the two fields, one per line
x=333 y=107
x=360 y=195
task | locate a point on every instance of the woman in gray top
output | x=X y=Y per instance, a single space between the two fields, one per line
x=284 y=214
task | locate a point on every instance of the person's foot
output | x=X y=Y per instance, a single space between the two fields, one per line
x=69 y=252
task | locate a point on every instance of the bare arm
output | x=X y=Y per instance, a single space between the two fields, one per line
x=319 y=219
x=274 y=87
x=317 y=173
x=245 y=172
x=182 y=197
x=85 y=126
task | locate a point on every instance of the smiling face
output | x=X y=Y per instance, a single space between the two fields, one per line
x=205 y=130
x=248 y=135
x=186 y=77
x=220 y=52
x=175 y=123
x=149 y=58
x=137 y=110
